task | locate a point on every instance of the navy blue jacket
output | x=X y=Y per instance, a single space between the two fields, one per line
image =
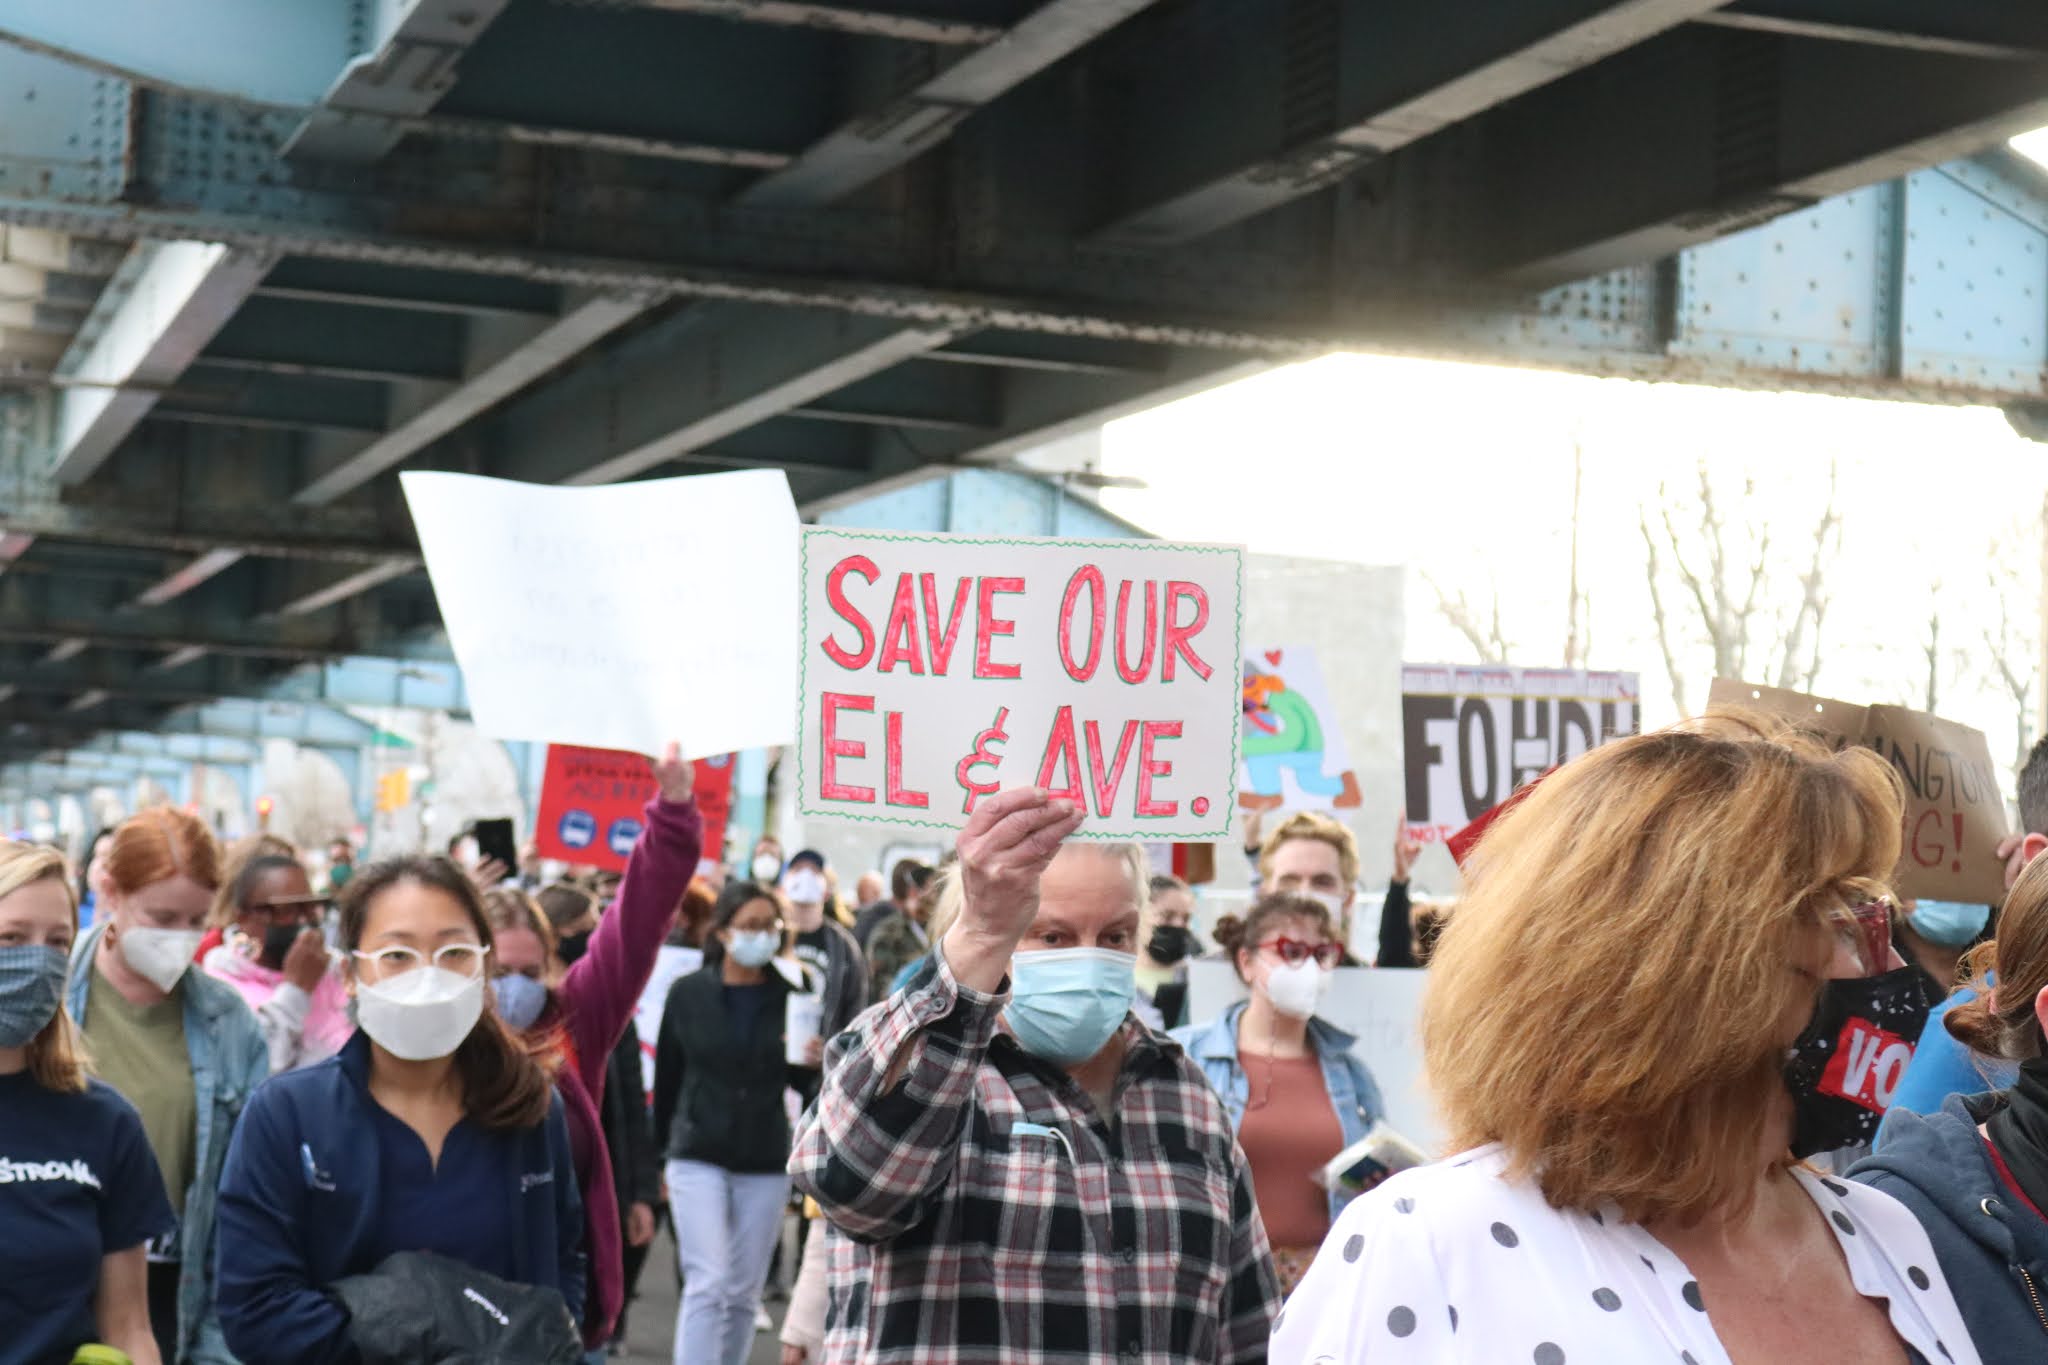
x=1989 y=1244
x=299 y=1210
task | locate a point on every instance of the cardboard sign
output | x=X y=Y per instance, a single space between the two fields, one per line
x=591 y=801
x=1379 y=1006
x=1955 y=812
x=623 y=616
x=1294 y=750
x=937 y=670
x=1475 y=734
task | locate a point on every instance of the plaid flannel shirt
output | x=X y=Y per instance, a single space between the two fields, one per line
x=973 y=1238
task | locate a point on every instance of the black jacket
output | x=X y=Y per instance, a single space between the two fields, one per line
x=628 y=1136
x=715 y=1101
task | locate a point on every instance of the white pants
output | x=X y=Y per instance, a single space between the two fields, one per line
x=726 y=1229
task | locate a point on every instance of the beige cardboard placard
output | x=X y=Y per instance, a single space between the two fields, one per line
x=1955 y=813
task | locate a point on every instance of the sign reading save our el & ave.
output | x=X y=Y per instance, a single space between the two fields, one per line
x=1954 y=810
x=937 y=670
x=1474 y=734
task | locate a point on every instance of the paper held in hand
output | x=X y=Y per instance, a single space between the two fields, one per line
x=1955 y=813
x=938 y=670
x=619 y=617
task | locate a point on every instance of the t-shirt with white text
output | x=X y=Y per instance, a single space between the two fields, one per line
x=77 y=1181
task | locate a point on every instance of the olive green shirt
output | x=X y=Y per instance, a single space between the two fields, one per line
x=140 y=1051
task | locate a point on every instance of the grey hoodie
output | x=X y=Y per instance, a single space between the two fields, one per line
x=1993 y=1249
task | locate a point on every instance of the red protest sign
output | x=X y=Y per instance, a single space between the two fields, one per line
x=714 y=803
x=590 y=804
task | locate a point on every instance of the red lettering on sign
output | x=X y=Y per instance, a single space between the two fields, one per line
x=899 y=639
x=1150 y=767
x=1089 y=577
x=1106 y=783
x=892 y=765
x=1177 y=635
x=1124 y=669
x=1060 y=746
x=835 y=748
x=835 y=593
x=989 y=625
x=941 y=646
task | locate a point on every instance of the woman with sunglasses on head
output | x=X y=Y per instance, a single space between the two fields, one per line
x=1669 y=981
x=433 y=1129
x=275 y=956
x=1976 y=1171
x=1295 y=1093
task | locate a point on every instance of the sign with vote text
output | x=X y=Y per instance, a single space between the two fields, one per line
x=938 y=670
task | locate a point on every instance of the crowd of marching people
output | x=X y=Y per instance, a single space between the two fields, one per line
x=1667 y=1027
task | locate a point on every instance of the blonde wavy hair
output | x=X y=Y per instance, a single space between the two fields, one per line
x=57 y=1057
x=1609 y=1001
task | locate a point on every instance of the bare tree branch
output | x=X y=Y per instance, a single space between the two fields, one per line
x=1657 y=615
x=1489 y=644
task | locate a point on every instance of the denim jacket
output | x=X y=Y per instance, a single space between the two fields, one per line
x=1353 y=1093
x=229 y=1060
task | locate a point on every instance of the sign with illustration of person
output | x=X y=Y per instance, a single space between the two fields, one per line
x=939 y=669
x=1474 y=734
x=1294 y=750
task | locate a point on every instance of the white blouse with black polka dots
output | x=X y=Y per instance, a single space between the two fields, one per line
x=1452 y=1264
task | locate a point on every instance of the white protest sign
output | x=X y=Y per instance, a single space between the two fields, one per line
x=937 y=670
x=1379 y=1006
x=1475 y=733
x=670 y=963
x=618 y=617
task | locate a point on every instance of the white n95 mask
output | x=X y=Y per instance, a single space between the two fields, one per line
x=422 y=1015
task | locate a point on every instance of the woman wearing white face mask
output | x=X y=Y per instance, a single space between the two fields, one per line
x=432 y=1130
x=179 y=1045
x=1296 y=1094
x=720 y=1067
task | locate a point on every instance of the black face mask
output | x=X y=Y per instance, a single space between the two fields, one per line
x=1169 y=944
x=277 y=941
x=571 y=946
x=1847 y=1063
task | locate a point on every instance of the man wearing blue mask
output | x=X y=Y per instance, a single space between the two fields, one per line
x=1024 y=1172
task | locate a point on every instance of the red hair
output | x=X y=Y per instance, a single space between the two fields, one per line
x=158 y=844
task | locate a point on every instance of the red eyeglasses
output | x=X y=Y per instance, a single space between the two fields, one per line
x=1294 y=952
x=1867 y=929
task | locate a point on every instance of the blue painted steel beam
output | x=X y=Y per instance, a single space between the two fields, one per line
x=254 y=50
x=357 y=681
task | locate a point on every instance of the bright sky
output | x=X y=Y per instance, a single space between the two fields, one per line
x=1464 y=472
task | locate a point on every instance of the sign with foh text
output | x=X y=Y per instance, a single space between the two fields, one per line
x=1955 y=813
x=938 y=670
x=1475 y=734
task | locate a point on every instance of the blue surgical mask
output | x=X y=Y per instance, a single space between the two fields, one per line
x=755 y=947
x=1066 y=1002
x=31 y=987
x=520 y=1000
x=1948 y=923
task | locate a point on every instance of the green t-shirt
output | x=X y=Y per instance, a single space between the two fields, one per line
x=140 y=1051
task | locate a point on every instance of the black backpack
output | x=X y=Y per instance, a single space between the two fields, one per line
x=422 y=1308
